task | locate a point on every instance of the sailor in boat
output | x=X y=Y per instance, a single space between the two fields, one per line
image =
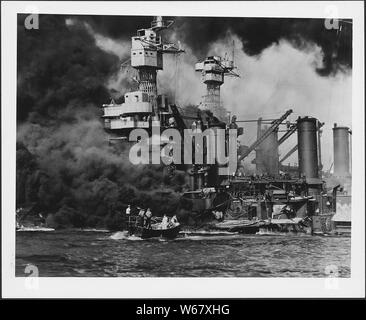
x=148 y=216
x=164 y=222
x=218 y=215
x=173 y=221
x=128 y=213
x=141 y=216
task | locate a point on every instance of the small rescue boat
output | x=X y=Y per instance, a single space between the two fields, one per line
x=171 y=232
x=156 y=231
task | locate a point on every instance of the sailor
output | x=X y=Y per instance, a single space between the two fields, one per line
x=199 y=126
x=233 y=124
x=174 y=221
x=141 y=217
x=128 y=213
x=218 y=215
x=164 y=222
x=172 y=122
x=148 y=216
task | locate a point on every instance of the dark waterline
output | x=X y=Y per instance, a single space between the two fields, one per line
x=96 y=254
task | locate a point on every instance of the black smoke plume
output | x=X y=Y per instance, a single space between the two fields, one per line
x=256 y=34
x=65 y=166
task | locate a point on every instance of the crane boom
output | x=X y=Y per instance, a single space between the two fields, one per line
x=275 y=124
x=290 y=131
x=288 y=154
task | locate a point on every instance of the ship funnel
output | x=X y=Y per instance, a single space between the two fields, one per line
x=341 y=151
x=308 y=147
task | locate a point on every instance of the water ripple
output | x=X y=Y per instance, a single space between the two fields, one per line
x=96 y=254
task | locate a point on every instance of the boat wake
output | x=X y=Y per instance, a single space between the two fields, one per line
x=43 y=229
x=124 y=235
x=94 y=230
x=207 y=235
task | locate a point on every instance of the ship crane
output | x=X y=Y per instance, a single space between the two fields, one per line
x=274 y=126
x=291 y=129
x=288 y=154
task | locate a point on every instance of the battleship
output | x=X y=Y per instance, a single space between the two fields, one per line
x=277 y=95
x=277 y=198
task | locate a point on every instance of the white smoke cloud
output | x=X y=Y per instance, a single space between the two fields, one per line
x=282 y=77
x=180 y=79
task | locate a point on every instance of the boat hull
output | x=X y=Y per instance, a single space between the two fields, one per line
x=170 y=233
x=155 y=232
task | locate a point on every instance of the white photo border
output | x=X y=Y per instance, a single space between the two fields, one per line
x=67 y=287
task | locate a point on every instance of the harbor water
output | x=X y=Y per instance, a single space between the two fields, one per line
x=96 y=253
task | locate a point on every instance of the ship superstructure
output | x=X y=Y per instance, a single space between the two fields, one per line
x=276 y=197
x=143 y=107
x=213 y=70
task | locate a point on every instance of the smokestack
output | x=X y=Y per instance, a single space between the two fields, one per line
x=270 y=153
x=308 y=147
x=267 y=155
x=259 y=165
x=341 y=151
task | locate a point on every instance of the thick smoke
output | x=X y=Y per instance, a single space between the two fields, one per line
x=65 y=165
x=71 y=65
x=256 y=34
x=283 y=63
x=284 y=77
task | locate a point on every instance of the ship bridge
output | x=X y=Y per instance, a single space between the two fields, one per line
x=213 y=70
x=144 y=105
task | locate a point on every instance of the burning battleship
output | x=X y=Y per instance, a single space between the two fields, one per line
x=277 y=198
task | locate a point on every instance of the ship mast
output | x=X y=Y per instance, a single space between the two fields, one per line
x=144 y=104
x=213 y=70
x=147 y=57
